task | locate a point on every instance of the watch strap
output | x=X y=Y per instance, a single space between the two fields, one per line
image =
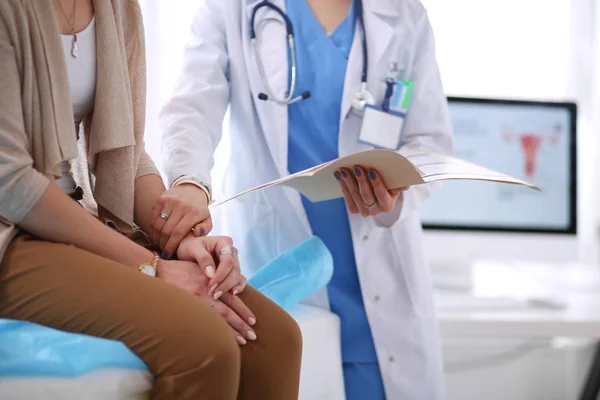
x=192 y=180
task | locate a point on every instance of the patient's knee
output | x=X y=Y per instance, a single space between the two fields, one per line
x=200 y=345
x=220 y=354
x=285 y=337
x=293 y=335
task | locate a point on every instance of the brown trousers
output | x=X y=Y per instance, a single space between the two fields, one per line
x=188 y=346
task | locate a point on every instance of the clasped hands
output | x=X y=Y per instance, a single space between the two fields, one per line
x=207 y=267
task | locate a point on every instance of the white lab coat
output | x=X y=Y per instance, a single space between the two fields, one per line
x=220 y=70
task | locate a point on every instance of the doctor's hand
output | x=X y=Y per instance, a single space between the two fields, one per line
x=366 y=193
x=218 y=260
x=176 y=212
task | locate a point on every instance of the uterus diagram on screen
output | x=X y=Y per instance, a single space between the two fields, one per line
x=530 y=142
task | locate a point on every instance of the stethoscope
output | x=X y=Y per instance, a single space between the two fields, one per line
x=359 y=99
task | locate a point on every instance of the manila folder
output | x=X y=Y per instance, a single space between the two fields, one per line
x=411 y=167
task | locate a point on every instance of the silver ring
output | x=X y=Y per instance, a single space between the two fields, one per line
x=164 y=216
x=369 y=206
x=227 y=250
x=212 y=305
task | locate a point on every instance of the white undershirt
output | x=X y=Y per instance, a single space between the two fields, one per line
x=82 y=82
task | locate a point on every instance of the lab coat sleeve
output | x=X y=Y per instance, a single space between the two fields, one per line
x=428 y=121
x=191 y=122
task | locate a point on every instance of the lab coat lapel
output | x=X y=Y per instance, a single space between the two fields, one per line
x=379 y=17
x=271 y=41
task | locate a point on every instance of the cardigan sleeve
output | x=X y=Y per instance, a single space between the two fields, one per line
x=21 y=186
x=146 y=166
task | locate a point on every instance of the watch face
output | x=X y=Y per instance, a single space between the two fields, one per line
x=148 y=270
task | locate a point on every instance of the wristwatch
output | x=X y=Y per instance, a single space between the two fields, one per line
x=149 y=268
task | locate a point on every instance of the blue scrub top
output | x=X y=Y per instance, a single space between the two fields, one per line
x=313 y=139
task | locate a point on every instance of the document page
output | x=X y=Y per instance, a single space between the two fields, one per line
x=437 y=167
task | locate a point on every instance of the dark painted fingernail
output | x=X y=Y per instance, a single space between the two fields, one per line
x=373 y=175
x=201 y=232
x=165 y=255
x=336 y=176
x=344 y=174
x=357 y=171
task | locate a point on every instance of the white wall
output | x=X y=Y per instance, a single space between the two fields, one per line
x=167 y=26
x=503 y=48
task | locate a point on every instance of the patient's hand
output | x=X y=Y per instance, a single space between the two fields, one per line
x=188 y=276
x=224 y=277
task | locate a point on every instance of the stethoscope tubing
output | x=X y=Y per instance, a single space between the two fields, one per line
x=289 y=99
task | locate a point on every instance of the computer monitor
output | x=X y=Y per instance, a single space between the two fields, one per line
x=535 y=141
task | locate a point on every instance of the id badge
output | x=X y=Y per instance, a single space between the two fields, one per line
x=382 y=126
x=381 y=129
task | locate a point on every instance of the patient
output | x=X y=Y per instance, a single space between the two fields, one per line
x=81 y=63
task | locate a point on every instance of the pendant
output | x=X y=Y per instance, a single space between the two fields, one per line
x=74 y=47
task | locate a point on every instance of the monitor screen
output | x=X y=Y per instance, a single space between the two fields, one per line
x=532 y=141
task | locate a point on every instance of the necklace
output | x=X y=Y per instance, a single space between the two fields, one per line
x=74 y=49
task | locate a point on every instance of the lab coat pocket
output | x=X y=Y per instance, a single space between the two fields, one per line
x=395 y=64
x=395 y=69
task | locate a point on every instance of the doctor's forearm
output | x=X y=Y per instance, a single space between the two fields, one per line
x=147 y=190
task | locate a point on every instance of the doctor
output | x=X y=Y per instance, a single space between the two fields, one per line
x=308 y=81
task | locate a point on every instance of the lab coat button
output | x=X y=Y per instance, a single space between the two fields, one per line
x=365 y=238
x=377 y=298
x=392 y=359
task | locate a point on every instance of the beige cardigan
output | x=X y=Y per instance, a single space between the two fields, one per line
x=36 y=114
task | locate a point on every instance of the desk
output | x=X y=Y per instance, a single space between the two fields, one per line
x=496 y=311
x=580 y=318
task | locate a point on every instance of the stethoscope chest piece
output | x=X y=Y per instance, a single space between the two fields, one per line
x=360 y=99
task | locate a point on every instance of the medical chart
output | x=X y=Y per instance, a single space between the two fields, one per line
x=412 y=167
